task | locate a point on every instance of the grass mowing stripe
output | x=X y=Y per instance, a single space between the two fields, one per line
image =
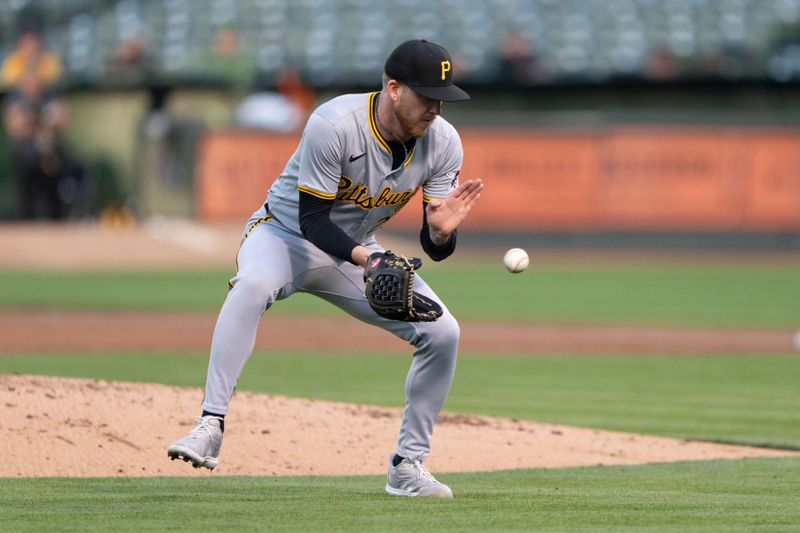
x=749 y=400
x=710 y=296
x=669 y=295
x=717 y=495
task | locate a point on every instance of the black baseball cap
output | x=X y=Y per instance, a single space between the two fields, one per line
x=425 y=67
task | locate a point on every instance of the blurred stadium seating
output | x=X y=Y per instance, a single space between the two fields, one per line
x=344 y=42
x=687 y=109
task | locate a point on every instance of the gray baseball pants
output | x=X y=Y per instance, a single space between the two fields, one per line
x=274 y=263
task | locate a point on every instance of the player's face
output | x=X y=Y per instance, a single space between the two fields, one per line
x=415 y=112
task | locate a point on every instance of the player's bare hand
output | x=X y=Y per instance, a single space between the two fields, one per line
x=444 y=216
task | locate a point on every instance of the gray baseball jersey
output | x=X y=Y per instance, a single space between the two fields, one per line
x=341 y=155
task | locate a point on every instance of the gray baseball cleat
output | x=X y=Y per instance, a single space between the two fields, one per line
x=201 y=445
x=410 y=478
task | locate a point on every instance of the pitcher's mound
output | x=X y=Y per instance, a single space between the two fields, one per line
x=76 y=427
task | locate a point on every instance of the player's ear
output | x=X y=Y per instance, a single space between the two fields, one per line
x=393 y=87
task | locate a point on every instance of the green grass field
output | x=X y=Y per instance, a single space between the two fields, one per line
x=677 y=295
x=743 y=399
x=748 y=495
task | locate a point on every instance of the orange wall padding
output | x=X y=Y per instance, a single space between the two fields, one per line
x=621 y=178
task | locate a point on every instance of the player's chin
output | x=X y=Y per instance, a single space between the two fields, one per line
x=421 y=130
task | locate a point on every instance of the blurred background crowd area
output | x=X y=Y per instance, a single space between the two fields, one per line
x=344 y=42
x=122 y=109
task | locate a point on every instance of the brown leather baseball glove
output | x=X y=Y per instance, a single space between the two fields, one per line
x=390 y=289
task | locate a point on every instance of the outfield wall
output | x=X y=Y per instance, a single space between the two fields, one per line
x=619 y=178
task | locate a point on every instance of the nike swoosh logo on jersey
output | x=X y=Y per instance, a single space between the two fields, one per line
x=357 y=157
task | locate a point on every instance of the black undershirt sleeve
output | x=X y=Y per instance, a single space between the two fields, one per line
x=317 y=228
x=437 y=253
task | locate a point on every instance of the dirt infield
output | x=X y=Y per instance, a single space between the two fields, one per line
x=75 y=427
x=93 y=332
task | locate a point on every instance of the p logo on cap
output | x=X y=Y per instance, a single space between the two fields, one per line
x=426 y=68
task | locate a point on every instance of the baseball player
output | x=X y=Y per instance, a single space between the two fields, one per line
x=361 y=158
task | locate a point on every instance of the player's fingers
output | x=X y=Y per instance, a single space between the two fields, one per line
x=465 y=187
x=472 y=184
x=468 y=205
x=475 y=188
x=472 y=194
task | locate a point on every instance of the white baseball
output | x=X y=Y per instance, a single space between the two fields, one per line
x=516 y=260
